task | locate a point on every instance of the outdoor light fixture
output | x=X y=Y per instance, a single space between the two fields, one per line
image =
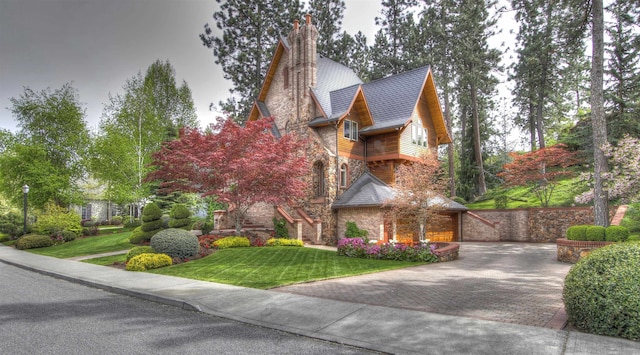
x=25 y=190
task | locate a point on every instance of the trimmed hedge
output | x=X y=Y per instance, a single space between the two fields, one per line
x=135 y=251
x=602 y=291
x=232 y=242
x=33 y=241
x=283 y=242
x=596 y=233
x=148 y=261
x=577 y=232
x=616 y=234
x=177 y=243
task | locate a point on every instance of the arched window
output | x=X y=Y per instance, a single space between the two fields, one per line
x=344 y=175
x=318 y=179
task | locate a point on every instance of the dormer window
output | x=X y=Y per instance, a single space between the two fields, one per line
x=351 y=130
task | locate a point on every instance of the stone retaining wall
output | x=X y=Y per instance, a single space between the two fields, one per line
x=447 y=251
x=538 y=225
x=570 y=251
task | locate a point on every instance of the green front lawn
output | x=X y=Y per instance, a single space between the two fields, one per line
x=88 y=246
x=268 y=267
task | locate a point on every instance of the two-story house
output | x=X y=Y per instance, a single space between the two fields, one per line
x=358 y=134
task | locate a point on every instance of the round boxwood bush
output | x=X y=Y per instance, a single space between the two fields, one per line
x=602 y=291
x=147 y=261
x=616 y=234
x=180 y=217
x=69 y=235
x=577 y=232
x=596 y=233
x=177 y=243
x=33 y=241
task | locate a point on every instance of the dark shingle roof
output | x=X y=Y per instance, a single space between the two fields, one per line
x=366 y=191
x=332 y=76
x=369 y=191
x=264 y=111
x=392 y=99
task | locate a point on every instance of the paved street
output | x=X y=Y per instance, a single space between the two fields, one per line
x=517 y=283
x=43 y=315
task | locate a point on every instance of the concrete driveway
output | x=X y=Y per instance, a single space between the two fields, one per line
x=506 y=282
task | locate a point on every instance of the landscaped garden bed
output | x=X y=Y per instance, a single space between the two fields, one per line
x=583 y=239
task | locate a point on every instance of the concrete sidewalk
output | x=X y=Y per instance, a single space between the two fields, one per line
x=379 y=328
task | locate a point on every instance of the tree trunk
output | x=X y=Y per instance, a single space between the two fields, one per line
x=450 y=155
x=600 y=198
x=477 y=147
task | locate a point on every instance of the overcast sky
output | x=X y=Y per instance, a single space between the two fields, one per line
x=98 y=44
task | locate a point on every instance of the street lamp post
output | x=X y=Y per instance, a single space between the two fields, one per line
x=25 y=190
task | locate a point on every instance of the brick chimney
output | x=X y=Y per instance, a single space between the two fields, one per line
x=302 y=64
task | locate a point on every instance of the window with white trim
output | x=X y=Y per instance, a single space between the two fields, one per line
x=344 y=173
x=419 y=135
x=350 y=130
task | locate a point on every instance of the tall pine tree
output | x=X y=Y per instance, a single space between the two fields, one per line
x=246 y=35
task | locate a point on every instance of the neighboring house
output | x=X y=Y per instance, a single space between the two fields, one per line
x=95 y=206
x=358 y=134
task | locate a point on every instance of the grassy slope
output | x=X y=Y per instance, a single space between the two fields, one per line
x=88 y=246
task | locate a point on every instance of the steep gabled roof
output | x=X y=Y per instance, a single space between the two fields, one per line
x=366 y=191
x=333 y=76
x=393 y=99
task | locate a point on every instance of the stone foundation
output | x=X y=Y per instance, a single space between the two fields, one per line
x=570 y=251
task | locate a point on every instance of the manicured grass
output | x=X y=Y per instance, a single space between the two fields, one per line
x=268 y=267
x=88 y=246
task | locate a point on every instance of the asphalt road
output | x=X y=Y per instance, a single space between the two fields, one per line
x=44 y=315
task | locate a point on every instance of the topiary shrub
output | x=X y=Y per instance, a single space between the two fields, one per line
x=232 y=242
x=596 y=233
x=135 y=251
x=177 y=243
x=602 y=291
x=616 y=234
x=577 y=232
x=282 y=242
x=151 y=224
x=179 y=217
x=33 y=241
x=148 y=261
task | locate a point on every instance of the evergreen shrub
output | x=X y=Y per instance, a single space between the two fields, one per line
x=354 y=232
x=616 y=234
x=280 y=227
x=11 y=224
x=151 y=224
x=116 y=220
x=179 y=217
x=135 y=251
x=577 y=232
x=33 y=241
x=148 y=261
x=596 y=233
x=177 y=243
x=284 y=242
x=232 y=242
x=602 y=291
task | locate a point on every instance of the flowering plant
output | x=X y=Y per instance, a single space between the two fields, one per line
x=357 y=248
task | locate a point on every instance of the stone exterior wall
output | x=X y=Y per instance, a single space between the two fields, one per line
x=539 y=225
x=370 y=219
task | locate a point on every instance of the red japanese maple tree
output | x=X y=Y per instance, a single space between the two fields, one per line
x=540 y=170
x=240 y=165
